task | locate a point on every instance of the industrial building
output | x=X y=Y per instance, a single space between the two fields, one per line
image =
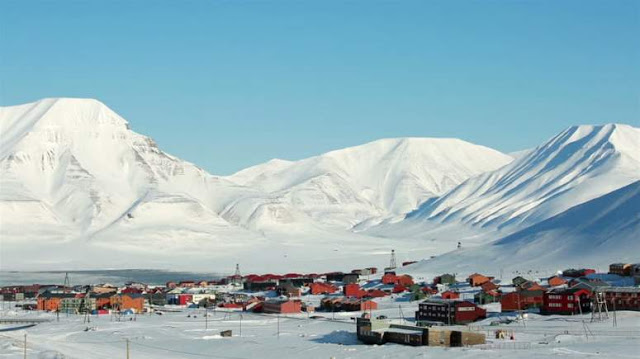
x=381 y=331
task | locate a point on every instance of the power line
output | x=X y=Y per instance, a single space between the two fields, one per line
x=188 y=353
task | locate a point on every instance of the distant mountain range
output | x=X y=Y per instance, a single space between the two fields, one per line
x=73 y=173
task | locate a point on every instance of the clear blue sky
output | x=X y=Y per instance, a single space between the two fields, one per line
x=228 y=84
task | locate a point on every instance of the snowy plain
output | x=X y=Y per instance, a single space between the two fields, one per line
x=186 y=333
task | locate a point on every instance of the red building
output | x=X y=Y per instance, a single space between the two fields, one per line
x=429 y=290
x=522 y=299
x=282 y=306
x=353 y=290
x=566 y=301
x=131 y=290
x=622 y=298
x=184 y=299
x=450 y=295
x=449 y=311
x=399 y=288
x=389 y=278
x=376 y=293
x=404 y=280
x=355 y=305
x=322 y=288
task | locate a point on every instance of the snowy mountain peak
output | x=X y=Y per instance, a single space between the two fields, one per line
x=57 y=120
x=579 y=164
x=380 y=178
x=622 y=136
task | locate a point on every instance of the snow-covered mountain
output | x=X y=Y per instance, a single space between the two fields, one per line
x=74 y=175
x=579 y=164
x=598 y=232
x=73 y=168
x=382 y=178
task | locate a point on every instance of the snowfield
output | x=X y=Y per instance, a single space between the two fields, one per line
x=174 y=335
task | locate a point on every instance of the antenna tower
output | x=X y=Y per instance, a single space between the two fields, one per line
x=67 y=284
x=392 y=262
x=237 y=277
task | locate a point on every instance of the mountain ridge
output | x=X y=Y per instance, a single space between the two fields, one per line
x=72 y=172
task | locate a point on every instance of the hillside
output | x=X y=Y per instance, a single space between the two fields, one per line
x=599 y=232
x=579 y=164
x=387 y=177
x=84 y=189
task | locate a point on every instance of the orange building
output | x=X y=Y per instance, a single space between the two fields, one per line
x=556 y=281
x=52 y=301
x=322 y=288
x=132 y=301
x=103 y=301
x=489 y=286
x=476 y=279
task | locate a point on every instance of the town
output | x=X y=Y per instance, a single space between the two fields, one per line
x=447 y=305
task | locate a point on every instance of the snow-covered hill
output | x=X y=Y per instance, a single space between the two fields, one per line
x=579 y=164
x=80 y=186
x=73 y=168
x=598 y=232
x=383 y=178
x=75 y=179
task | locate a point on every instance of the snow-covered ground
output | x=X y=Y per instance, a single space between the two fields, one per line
x=186 y=334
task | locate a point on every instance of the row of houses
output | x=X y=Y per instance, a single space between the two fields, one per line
x=69 y=302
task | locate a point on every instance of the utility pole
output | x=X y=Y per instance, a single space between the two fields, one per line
x=127 y=348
